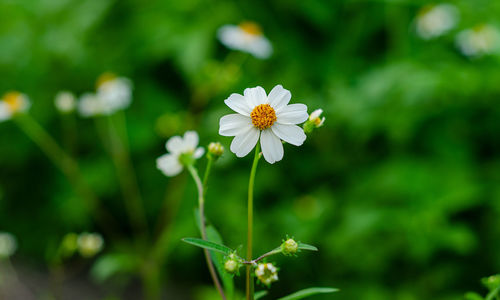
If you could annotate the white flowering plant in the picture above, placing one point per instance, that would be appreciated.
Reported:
(265, 123)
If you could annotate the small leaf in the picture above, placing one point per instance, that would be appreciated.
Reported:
(208, 245)
(309, 292)
(303, 246)
(260, 294)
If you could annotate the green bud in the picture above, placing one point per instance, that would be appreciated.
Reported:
(69, 244)
(289, 247)
(315, 121)
(215, 150)
(232, 264)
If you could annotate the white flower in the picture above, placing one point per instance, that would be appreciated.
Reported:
(89, 244)
(436, 20)
(8, 244)
(115, 93)
(269, 117)
(65, 102)
(266, 273)
(246, 37)
(89, 105)
(478, 41)
(13, 103)
(183, 151)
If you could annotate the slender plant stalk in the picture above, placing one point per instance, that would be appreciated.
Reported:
(493, 294)
(115, 141)
(249, 279)
(207, 173)
(66, 165)
(201, 203)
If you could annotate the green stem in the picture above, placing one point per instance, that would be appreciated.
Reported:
(493, 294)
(249, 279)
(201, 203)
(116, 141)
(65, 164)
(207, 173)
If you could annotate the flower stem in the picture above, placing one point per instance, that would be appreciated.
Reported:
(207, 173)
(66, 165)
(201, 203)
(249, 279)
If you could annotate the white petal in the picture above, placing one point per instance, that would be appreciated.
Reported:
(279, 97)
(5, 113)
(239, 104)
(244, 142)
(191, 140)
(260, 47)
(234, 124)
(175, 144)
(198, 152)
(272, 148)
(255, 96)
(292, 114)
(169, 164)
(292, 134)
(315, 114)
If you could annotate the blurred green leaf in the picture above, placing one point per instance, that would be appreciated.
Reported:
(309, 292)
(208, 245)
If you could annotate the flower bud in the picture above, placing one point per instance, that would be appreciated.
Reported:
(289, 247)
(232, 264)
(89, 244)
(315, 121)
(65, 102)
(69, 244)
(215, 150)
(266, 273)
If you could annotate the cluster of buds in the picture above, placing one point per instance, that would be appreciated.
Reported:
(314, 121)
(215, 150)
(233, 264)
(266, 273)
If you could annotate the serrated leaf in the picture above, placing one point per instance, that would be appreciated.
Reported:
(309, 292)
(303, 246)
(208, 245)
(260, 294)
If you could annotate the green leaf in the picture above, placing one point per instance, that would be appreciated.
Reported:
(218, 259)
(112, 264)
(208, 245)
(303, 246)
(260, 294)
(473, 296)
(309, 292)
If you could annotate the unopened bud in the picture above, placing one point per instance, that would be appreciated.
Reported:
(289, 247)
(266, 273)
(315, 121)
(89, 244)
(232, 264)
(215, 149)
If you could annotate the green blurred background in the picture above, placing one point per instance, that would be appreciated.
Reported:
(399, 190)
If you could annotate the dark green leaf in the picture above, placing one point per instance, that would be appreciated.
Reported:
(303, 246)
(260, 294)
(208, 245)
(309, 292)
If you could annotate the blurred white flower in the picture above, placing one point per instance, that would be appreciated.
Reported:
(478, 41)
(13, 103)
(268, 117)
(65, 102)
(114, 92)
(89, 244)
(246, 37)
(89, 105)
(266, 273)
(435, 20)
(8, 245)
(182, 152)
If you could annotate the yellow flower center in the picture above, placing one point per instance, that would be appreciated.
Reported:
(13, 100)
(105, 77)
(263, 116)
(251, 28)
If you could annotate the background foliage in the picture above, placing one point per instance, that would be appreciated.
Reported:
(400, 190)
